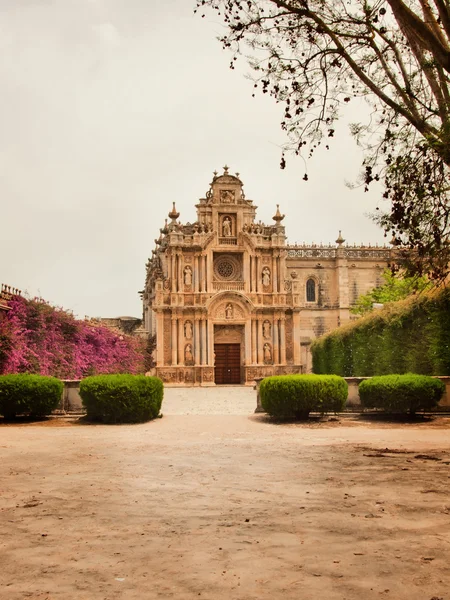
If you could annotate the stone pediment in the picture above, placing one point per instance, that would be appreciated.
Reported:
(228, 311)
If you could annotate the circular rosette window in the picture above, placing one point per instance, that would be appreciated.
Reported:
(227, 268)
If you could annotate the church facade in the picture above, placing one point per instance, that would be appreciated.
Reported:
(229, 301)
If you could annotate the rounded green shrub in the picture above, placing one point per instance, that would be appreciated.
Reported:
(401, 393)
(34, 395)
(122, 398)
(295, 396)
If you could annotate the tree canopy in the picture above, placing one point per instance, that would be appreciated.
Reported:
(393, 289)
(315, 56)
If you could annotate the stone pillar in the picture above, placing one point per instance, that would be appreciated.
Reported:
(197, 340)
(180, 273)
(283, 340)
(254, 350)
(203, 274)
(251, 273)
(276, 347)
(203, 343)
(210, 343)
(173, 273)
(260, 342)
(296, 338)
(160, 339)
(274, 275)
(173, 341)
(205, 261)
(248, 344)
(180, 341)
(247, 275)
(196, 275)
(343, 286)
(258, 274)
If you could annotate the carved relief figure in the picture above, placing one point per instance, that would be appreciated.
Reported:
(188, 330)
(188, 356)
(228, 311)
(226, 227)
(266, 329)
(187, 276)
(266, 276)
(227, 196)
(267, 354)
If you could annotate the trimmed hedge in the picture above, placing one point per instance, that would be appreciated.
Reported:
(401, 393)
(295, 396)
(122, 398)
(412, 335)
(23, 394)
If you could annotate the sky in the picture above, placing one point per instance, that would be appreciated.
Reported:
(110, 110)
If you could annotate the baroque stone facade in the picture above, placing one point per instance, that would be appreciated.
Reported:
(229, 301)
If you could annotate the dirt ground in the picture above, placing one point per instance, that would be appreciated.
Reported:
(225, 506)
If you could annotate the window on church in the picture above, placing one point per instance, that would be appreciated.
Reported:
(310, 290)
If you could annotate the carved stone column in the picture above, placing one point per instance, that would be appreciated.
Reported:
(274, 275)
(254, 332)
(205, 262)
(197, 340)
(160, 339)
(180, 341)
(173, 340)
(260, 342)
(258, 274)
(196, 275)
(173, 273)
(203, 352)
(296, 337)
(276, 347)
(283, 340)
(248, 344)
(203, 274)
(210, 343)
(180, 274)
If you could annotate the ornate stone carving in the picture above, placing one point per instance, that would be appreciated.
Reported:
(227, 197)
(187, 276)
(226, 227)
(227, 268)
(266, 277)
(267, 354)
(208, 374)
(289, 338)
(167, 340)
(228, 311)
(188, 356)
(267, 329)
(188, 330)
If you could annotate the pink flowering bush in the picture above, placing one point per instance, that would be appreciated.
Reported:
(38, 338)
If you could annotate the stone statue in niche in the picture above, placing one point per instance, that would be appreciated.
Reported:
(188, 356)
(266, 276)
(226, 227)
(187, 276)
(188, 330)
(267, 354)
(229, 311)
(266, 329)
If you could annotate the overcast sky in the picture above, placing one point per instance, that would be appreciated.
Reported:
(110, 110)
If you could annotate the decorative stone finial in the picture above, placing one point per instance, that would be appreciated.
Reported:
(340, 240)
(237, 175)
(165, 229)
(173, 213)
(225, 170)
(215, 174)
(278, 217)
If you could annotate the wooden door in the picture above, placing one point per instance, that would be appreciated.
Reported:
(227, 363)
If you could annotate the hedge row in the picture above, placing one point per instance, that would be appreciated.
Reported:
(295, 396)
(107, 398)
(33, 395)
(401, 393)
(122, 398)
(409, 336)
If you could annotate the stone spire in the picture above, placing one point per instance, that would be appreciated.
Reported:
(278, 217)
(173, 213)
(340, 240)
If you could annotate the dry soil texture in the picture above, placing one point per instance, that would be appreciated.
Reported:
(224, 506)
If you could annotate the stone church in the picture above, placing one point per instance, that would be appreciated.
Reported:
(229, 301)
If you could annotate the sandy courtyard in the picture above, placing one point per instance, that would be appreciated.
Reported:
(213, 502)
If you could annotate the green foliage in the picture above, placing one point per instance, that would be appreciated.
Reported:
(122, 398)
(395, 287)
(295, 396)
(412, 335)
(24, 394)
(401, 393)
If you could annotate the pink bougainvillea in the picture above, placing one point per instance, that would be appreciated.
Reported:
(38, 338)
